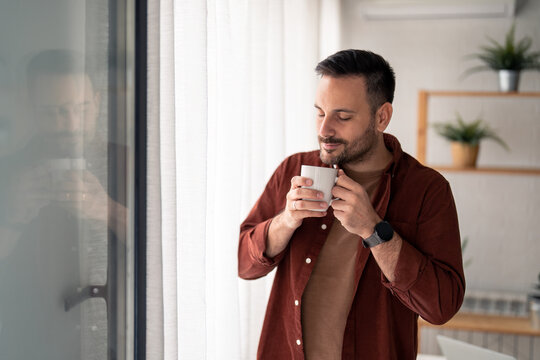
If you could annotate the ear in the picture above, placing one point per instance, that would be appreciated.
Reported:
(383, 116)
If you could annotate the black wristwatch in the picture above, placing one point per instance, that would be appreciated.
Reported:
(383, 233)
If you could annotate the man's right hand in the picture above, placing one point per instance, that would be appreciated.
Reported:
(300, 204)
(298, 208)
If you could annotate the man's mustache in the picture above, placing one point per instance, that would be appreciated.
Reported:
(331, 140)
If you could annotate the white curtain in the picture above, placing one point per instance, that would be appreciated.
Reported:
(231, 88)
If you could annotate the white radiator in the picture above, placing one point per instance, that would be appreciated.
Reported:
(522, 347)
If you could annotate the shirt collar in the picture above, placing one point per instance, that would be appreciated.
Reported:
(393, 145)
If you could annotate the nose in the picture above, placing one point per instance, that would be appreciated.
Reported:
(326, 126)
(69, 120)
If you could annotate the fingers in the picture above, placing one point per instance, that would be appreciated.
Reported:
(305, 199)
(304, 193)
(346, 194)
(298, 192)
(299, 181)
(300, 205)
(341, 205)
(345, 181)
(346, 188)
(302, 214)
(73, 197)
(303, 202)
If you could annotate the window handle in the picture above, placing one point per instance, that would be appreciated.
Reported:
(91, 291)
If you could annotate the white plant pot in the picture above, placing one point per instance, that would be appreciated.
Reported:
(508, 80)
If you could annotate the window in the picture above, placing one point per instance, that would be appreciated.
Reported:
(67, 165)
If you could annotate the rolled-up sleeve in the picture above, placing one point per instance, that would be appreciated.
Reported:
(252, 260)
(429, 275)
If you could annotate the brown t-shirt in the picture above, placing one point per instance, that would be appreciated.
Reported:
(330, 291)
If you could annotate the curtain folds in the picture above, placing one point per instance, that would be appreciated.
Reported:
(231, 88)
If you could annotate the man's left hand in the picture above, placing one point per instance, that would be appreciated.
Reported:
(353, 209)
(88, 197)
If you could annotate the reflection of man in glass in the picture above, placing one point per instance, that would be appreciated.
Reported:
(66, 162)
(59, 214)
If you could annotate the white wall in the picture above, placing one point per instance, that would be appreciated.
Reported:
(498, 213)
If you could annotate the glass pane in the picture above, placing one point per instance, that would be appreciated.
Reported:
(65, 180)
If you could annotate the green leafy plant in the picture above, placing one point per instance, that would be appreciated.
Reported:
(468, 133)
(510, 55)
(464, 244)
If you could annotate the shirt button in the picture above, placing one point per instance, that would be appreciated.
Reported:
(308, 261)
(298, 342)
(296, 302)
(323, 226)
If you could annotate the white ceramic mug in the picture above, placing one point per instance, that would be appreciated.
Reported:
(58, 169)
(324, 180)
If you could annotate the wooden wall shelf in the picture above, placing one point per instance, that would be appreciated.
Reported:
(487, 323)
(489, 170)
(479, 93)
(423, 98)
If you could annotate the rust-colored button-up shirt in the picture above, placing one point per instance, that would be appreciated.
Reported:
(382, 322)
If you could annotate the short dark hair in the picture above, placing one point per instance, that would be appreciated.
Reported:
(377, 72)
(57, 62)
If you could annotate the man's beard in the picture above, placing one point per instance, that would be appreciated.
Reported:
(63, 144)
(357, 150)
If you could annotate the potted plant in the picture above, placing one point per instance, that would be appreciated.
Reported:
(534, 299)
(508, 59)
(464, 244)
(465, 139)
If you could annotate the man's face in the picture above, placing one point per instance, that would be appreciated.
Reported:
(346, 128)
(66, 111)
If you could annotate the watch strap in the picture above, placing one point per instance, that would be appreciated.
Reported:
(383, 232)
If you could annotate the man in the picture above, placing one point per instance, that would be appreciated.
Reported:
(66, 162)
(352, 280)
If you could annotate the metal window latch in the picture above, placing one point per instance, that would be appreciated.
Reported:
(91, 291)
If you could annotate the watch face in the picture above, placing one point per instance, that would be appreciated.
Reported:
(384, 230)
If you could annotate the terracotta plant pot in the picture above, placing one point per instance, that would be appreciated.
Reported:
(464, 155)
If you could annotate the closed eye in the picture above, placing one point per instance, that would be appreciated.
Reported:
(344, 114)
